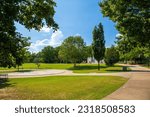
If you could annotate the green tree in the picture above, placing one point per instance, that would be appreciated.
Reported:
(124, 46)
(21, 52)
(30, 13)
(89, 51)
(57, 59)
(12, 52)
(147, 55)
(98, 44)
(27, 56)
(38, 59)
(111, 56)
(131, 18)
(137, 55)
(72, 50)
(130, 50)
(48, 54)
(32, 56)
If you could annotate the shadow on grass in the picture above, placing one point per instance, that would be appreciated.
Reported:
(118, 70)
(7, 71)
(86, 67)
(24, 71)
(4, 82)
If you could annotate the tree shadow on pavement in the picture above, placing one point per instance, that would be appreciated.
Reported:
(141, 71)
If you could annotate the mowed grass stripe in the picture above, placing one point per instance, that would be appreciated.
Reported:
(81, 68)
(61, 87)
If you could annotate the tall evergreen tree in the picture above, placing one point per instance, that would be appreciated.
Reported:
(98, 44)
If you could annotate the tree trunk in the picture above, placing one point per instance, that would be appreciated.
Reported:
(148, 63)
(98, 65)
(18, 67)
(74, 64)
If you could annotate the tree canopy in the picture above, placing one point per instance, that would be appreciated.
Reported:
(111, 56)
(48, 54)
(131, 50)
(132, 18)
(72, 50)
(30, 13)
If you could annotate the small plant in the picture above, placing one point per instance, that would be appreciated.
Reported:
(37, 62)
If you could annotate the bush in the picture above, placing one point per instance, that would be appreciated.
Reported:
(111, 56)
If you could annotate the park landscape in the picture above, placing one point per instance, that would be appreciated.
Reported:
(67, 71)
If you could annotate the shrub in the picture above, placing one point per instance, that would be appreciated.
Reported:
(111, 56)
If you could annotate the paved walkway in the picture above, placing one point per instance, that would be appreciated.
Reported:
(137, 88)
(36, 73)
(41, 73)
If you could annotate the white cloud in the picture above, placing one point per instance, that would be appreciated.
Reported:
(118, 35)
(77, 34)
(55, 40)
(46, 29)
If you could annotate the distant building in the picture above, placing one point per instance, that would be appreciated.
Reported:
(92, 60)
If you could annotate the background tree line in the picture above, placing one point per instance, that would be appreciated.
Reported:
(132, 19)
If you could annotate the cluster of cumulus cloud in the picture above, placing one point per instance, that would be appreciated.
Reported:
(54, 40)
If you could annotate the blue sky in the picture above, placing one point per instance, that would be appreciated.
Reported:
(74, 17)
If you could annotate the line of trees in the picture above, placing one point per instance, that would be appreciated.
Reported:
(132, 19)
(74, 50)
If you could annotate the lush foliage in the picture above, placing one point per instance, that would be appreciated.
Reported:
(98, 44)
(13, 50)
(48, 54)
(131, 18)
(132, 51)
(72, 50)
(30, 13)
(89, 51)
(111, 56)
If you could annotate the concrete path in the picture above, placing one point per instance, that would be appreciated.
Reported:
(41, 73)
(36, 73)
(137, 88)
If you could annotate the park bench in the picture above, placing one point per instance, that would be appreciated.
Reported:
(2, 76)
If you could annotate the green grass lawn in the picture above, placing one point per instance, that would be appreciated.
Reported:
(145, 65)
(81, 68)
(60, 87)
(92, 68)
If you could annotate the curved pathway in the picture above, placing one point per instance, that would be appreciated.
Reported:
(41, 73)
(137, 87)
(35, 73)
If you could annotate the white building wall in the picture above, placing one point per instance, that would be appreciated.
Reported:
(93, 60)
